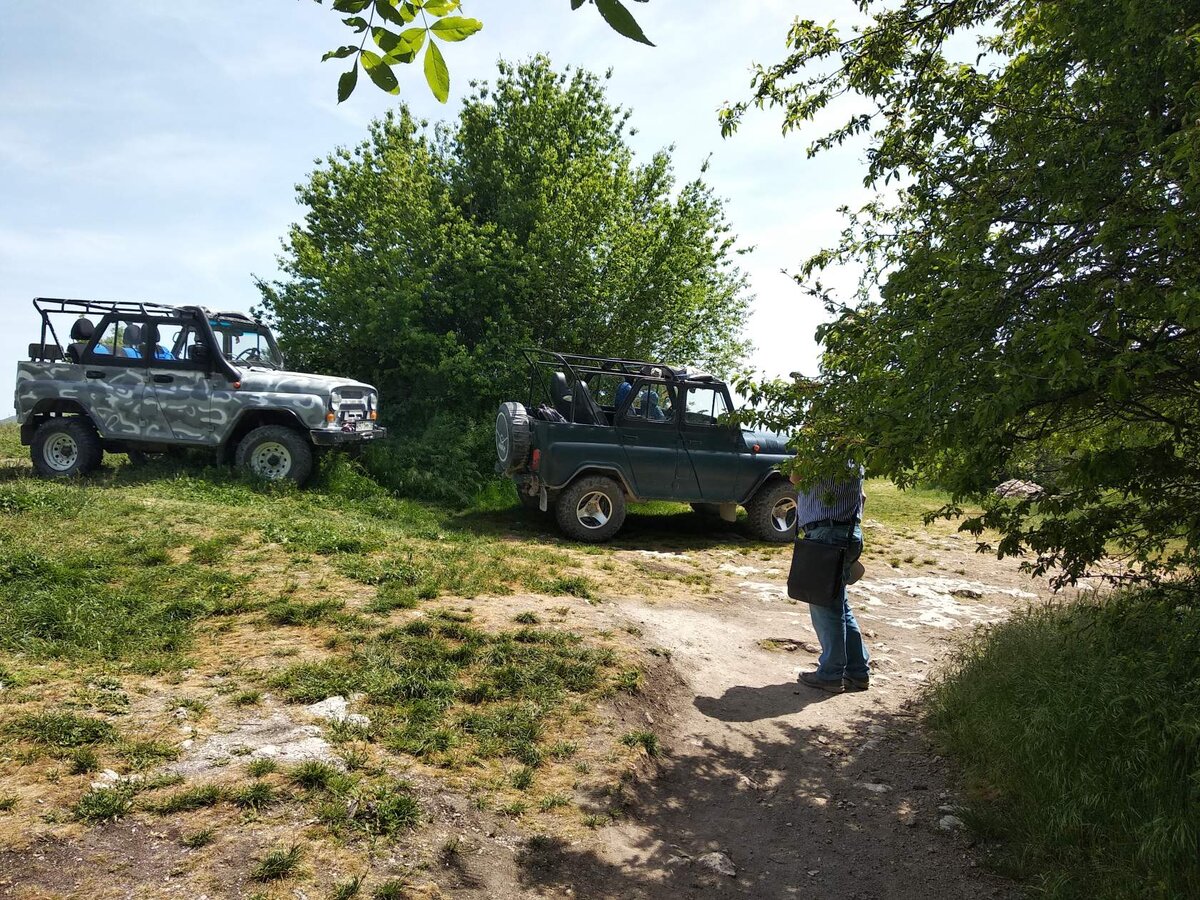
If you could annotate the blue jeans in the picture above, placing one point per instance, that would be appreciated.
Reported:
(843, 653)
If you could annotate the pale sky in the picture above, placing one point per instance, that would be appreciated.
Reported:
(149, 149)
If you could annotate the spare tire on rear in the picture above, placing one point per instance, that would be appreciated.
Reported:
(512, 436)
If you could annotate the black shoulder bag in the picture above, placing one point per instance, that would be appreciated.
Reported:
(816, 573)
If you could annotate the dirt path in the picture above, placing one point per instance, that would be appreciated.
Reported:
(805, 794)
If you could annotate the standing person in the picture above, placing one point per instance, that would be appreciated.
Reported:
(831, 513)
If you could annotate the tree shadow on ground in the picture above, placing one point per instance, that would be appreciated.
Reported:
(800, 812)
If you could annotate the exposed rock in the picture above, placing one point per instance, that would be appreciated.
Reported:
(275, 736)
(718, 862)
(1015, 488)
(875, 787)
(337, 709)
(966, 594)
(950, 823)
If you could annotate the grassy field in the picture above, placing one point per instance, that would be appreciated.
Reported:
(143, 607)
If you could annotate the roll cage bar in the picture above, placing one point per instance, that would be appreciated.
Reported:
(48, 306)
(578, 367)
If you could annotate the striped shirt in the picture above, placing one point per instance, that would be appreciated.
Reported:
(841, 501)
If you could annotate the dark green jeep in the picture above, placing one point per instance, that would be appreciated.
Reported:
(600, 432)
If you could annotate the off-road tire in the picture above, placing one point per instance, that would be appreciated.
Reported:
(593, 497)
(513, 436)
(65, 447)
(276, 453)
(764, 511)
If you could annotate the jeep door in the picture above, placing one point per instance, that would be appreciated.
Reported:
(115, 374)
(180, 378)
(649, 433)
(715, 449)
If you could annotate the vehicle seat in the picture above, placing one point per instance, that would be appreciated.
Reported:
(587, 411)
(560, 393)
(81, 332)
(131, 342)
(152, 338)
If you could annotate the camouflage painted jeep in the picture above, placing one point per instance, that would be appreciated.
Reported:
(147, 379)
(600, 432)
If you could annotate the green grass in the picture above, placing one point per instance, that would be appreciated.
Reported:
(197, 839)
(253, 796)
(260, 768)
(198, 797)
(104, 804)
(1077, 730)
(61, 730)
(445, 684)
(647, 740)
(278, 863)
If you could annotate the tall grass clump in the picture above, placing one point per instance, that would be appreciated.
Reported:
(1077, 730)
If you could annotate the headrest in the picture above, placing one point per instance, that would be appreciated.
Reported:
(151, 331)
(82, 330)
(133, 335)
(559, 388)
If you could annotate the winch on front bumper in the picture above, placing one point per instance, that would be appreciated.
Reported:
(350, 433)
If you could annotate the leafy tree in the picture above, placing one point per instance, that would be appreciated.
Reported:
(1032, 301)
(426, 260)
(399, 29)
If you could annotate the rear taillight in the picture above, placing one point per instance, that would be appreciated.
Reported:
(537, 460)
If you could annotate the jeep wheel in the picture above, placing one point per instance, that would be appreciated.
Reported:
(772, 512)
(512, 436)
(275, 453)
(592, 509)
(62, 448)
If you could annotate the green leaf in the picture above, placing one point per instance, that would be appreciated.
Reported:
(346, 83)
(351, 6)
(381, 73)
(407, 45)
(575, 4)
(358, 23)
(436, 73)
(340, 53)
(440, 7)
(622, 21)
(408, 12)
(455, 28)
(389, 11)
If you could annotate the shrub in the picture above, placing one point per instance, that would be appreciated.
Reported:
(1078, 732)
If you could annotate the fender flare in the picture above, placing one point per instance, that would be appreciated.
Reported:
(767, 477)
(595, 468)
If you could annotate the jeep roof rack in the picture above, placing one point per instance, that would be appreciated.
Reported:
(48, 306)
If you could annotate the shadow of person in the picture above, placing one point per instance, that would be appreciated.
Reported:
(749, 704)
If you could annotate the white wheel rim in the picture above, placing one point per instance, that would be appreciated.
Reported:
(502, 438)
(61, 452)
(271, 459)
(783, 514)
(594, 510)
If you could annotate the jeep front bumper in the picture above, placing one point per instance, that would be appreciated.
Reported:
(339, 437)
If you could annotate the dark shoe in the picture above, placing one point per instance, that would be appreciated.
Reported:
(821, 684)
(858, 684)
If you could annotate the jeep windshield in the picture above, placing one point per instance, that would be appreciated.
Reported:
(246, 342)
